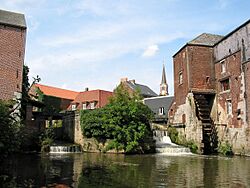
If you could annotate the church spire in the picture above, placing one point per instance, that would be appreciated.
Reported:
(163, 79)
(163, 85)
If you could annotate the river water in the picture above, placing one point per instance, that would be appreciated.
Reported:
(111, 170)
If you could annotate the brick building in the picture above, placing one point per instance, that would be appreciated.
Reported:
(57, 99)
(90, 99)
(12, 50)
(211, 89)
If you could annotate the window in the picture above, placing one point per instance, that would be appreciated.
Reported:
(92, 105)
(180, 78)
(161, 111)
(229, 107)
(225, 85)
(223, 67)
(84, 106)
(73, 107)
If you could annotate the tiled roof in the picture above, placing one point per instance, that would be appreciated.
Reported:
(155, 103)
(12, 18)
(206, 39)
(57, 92)
(144, 90)
(83, 96)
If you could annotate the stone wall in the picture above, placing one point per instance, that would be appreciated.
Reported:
(68, 124)
(189, 127)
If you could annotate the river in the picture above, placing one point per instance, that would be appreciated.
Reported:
(111, 170)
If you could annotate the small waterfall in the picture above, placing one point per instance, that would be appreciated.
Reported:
(165, 146)
(65, 149)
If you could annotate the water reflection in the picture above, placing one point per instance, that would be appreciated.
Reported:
(106, 170)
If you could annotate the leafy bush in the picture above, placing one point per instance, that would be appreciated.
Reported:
(173, 134)
(178, 139)
(225, 149)
(125, 120)
(192, 146)
(46, 139)
(10, 130)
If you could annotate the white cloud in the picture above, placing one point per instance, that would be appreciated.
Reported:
(150, 51)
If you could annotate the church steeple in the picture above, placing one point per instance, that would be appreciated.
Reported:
(163, 85)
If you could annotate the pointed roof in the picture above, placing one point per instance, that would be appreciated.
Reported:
(144, 90)
(163, 79)
(206, 39)
(12, 19)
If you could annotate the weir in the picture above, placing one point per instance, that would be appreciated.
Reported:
(65, 149)
(164, 144)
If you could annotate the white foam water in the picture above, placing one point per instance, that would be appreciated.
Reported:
(65, 149)
(164, 144)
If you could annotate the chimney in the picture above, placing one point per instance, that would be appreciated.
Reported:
(86, 89)
(132, 81)
(124, 80)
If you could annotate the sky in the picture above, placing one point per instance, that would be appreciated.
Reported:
(74, 44)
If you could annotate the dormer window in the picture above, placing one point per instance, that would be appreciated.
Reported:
(84, 106)
(161, 111)
(92, 105)
(73, 107)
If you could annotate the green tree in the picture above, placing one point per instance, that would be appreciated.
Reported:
(10, 130)
(125, 120)
(25, 90)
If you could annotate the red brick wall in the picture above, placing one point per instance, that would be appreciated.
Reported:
(12, 42)
(201, 67)
(247, 77)
(233, 72)
(180, 65)
(197, 67)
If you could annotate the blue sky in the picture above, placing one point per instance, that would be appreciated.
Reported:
(76, 44)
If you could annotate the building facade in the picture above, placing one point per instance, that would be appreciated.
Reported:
(89, 100)
(12, 51)
(211, 89)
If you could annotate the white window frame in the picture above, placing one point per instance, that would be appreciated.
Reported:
(229, 107)
(73, 107)
(92, 105)
(223, 66)
(180, 78)
(84, 106)
(161, 111)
